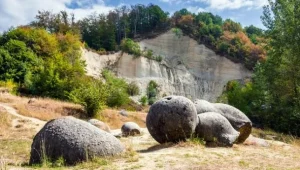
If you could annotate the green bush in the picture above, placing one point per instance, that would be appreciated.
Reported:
(131, 47)
(144, 100)
(159, 58)
(149, 54)
(151, 100)
(177, 32)
(117, 88)
(91, 95)
(152, 91)
(133, 89)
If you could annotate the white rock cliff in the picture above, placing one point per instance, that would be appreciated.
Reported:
(188, 69)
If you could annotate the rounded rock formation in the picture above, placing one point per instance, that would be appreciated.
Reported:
(213, 127)
(203, 106)
(130, 129)
(99, 124)
(74, 140)
(237, 119)
(172, 119)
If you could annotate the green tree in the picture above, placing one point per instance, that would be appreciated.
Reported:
(16, 61)
(277, 79)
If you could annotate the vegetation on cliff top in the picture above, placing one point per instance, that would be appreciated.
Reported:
(116, 30)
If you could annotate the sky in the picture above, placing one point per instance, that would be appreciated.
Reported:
(22, 12)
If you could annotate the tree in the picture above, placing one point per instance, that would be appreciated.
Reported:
(16, 61)
(232, 26)
(61, 22)
(278, 78)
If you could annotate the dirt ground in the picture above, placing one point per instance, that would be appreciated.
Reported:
(143, 152)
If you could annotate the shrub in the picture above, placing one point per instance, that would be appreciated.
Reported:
(117, 89)
(10, 85)
(151, 100)
(131, 47)
(149, 54)
(177, 32)
(159, 58)
(152, 91)
(92, 96)
(144, 100)
(133, 89)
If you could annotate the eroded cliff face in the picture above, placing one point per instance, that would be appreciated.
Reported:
(188, 69)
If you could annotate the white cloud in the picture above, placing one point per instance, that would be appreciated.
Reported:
(233, 4)
(172, 1)
(196, 9)
(21, 12)
(223, 4)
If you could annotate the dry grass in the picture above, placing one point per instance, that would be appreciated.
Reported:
(43, 108)
(5, 122)
(272, 135)
(14, 143)
(115, 120)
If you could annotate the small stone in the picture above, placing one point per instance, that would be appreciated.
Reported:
(130, 129)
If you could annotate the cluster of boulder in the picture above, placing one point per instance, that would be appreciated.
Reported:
(176, 118)
(171, 119)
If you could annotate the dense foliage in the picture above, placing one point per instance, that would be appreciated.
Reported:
(273, 99)
(48, 64)
(226, 37)
(121, 26)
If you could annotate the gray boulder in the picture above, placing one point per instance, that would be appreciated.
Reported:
(237, 119)
(99, 124)
(213, 127)
(130, 129)
(74, 140)
(123, 113)
(172, 119)
(203, 106)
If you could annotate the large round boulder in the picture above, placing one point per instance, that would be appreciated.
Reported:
(130, 129)
(203, 106)
(213, 127)
(237, 119)
(172, 119)
(74, 140)
(99, 124)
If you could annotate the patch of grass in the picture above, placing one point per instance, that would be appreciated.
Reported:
(96, 163)
(17, 151)
(272, 135)
(192, 142)
(130, 154)
(243, 164)
(5, 120)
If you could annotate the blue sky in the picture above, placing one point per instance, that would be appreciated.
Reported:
(21, 12)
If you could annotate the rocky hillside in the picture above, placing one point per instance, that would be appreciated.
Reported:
(188, 69)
